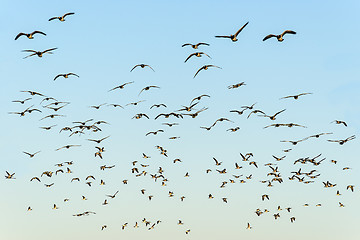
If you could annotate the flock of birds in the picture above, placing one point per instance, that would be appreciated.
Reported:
(54, 107)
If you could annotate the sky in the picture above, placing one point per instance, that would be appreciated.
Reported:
(103, 41)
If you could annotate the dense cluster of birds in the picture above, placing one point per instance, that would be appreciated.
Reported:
(50, 108)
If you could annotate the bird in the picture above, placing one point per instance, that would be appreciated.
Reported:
(158, 105)
(39, 53)
(22, 101)
(342, 141)
(273, 117)
(351, 187)
(155, 132)
(295, 96)
(32, 93)
(29, 35)
(195, 46)
(199, 98)
(65, 75)
(340, 122)
(9, 176)
(142, 66)
(205, 67)
(98, 141)
(236, 85)
(265, 196)
(217, 163)
(34, 178)
(147, 88)
(170, 124)
(31, 154)
(121, 86)
(233, 129)
(97, 107)
(279, 37)
(248, 226)
(196, 54)
(318, 135)
(234, 37)
(67, 147)
(62, 18)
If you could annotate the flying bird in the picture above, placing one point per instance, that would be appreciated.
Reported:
(31, 154)
(121, 86)
(340, 122)
(205, 67)
(62, 18)
(295, 96)
(234, 37)
(29, 35)
(197, 54)
(279, 37)
(147, 88)
(65, 75)
(38, 53)
(195, 46)
(142, 66)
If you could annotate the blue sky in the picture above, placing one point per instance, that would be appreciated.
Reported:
(103, 41)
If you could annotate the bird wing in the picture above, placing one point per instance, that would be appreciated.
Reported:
(53, 18)
(19, 35)
(223, 36)
(60, 75)
(34, 32)
(48, 50)
(199, 71)
(201, 43)
(288, 31)
(287, 97)
(186, 44)
(237, 33)
(74, 74)
(279, 112)
(269, 36)
(186, 58)
(67, 14)
(134, 67)
(150, 67)
(213, 66)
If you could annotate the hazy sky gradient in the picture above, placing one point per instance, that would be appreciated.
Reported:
(103, 41)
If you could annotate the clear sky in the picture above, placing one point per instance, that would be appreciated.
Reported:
(103, 41)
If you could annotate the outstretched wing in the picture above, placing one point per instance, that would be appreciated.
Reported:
(134, 67)
(237, 33)
(150, 67)
(53, 18)
(269, 36)
(288, 31)
(19, 35)
(60, 75)
(199, 71)
(34, 32)
(201, 43)
(223, 36)
(189, 57)
(74, 74)
(48, 50)
(67, 14)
